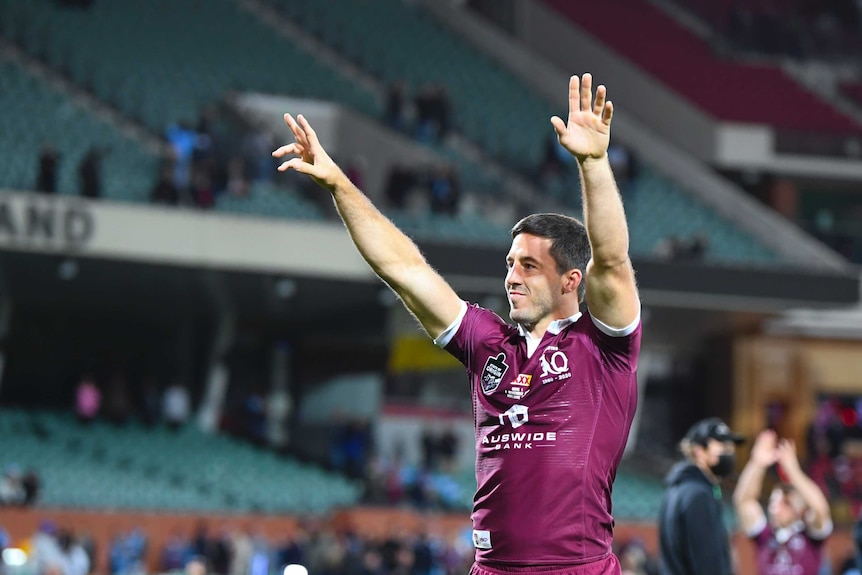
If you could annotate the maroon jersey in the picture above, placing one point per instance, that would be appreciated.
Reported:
(551, 427)
(788, 551)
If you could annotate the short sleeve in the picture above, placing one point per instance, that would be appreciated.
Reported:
(619, 348)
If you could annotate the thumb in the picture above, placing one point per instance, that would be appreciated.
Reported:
(559, 126)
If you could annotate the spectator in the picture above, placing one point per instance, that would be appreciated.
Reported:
(278, 407)
(237, 182)
(400, 181)
(691, 530)
(176, 405)
(634, 559)
(203, 191)
(355, 170)
(117, 403)
(448, 449)
(90, 173)
(174, 553)
(197, 565)
(150, 401)
(11, 486)
(46, 180)
(88, 399)
(182, 139)
(395, 114)
(74, 558)
(46, 553)
(445, 191)
(31, 483)
(165, 191)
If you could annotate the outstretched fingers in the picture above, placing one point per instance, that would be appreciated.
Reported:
(599, 103)
(298, 133)
(586, 92)
(288, 149)
(608, 113)
(310, 134)
(295, 164)
(574, 89)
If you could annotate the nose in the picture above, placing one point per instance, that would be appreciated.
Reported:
(512, 277)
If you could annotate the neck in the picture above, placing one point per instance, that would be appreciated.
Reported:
(708, 472)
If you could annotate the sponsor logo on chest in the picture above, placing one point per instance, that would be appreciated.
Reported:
(520, 387)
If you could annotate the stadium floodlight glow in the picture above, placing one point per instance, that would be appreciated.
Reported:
(295, 569)
(14, 557)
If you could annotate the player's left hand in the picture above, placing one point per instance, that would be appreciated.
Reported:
(588, 131)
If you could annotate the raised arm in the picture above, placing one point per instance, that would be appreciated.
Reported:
(390, 253)
(612, 294)
(818, 519)
(746, 496)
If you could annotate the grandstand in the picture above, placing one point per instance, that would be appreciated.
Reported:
(244, 285)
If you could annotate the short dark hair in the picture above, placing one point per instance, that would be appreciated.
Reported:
(570, 246)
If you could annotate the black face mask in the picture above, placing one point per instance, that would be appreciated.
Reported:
(725, 466)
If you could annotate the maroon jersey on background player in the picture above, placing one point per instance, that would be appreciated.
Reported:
(789, 536)
(551, 426)
(792, 550)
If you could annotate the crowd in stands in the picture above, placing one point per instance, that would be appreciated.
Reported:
(89, 171)
(171, 406)
(204, 162)
(323, 549)
(797, 28)
(438, 185)
(835, 456)
(426, 116)
(431, 484)
(685, 250)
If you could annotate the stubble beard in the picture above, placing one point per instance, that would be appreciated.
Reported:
(528, 316)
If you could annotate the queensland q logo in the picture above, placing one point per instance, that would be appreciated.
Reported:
(557, 364)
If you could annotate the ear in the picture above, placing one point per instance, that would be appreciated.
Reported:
(571, 280)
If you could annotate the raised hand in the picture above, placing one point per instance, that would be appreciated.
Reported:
(786, 455)
(588, 130)
(312, 158)
(764, 452)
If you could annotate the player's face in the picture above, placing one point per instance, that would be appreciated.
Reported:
(783, 510)
(533, 283)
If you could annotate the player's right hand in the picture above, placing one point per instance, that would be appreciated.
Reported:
(311, 158)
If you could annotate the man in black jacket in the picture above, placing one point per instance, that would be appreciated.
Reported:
(692, 536)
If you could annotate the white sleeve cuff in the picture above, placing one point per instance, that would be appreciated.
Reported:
(617, 332)
(822, 533)
(757, 528)
(444, 338)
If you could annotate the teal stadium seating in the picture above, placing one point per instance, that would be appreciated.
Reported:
(35, 114)
(494, 109)
(102, 466)
(161, 62)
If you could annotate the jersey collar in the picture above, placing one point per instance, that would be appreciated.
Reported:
(555, 327)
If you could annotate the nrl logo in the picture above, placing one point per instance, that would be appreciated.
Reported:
(492, 374)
